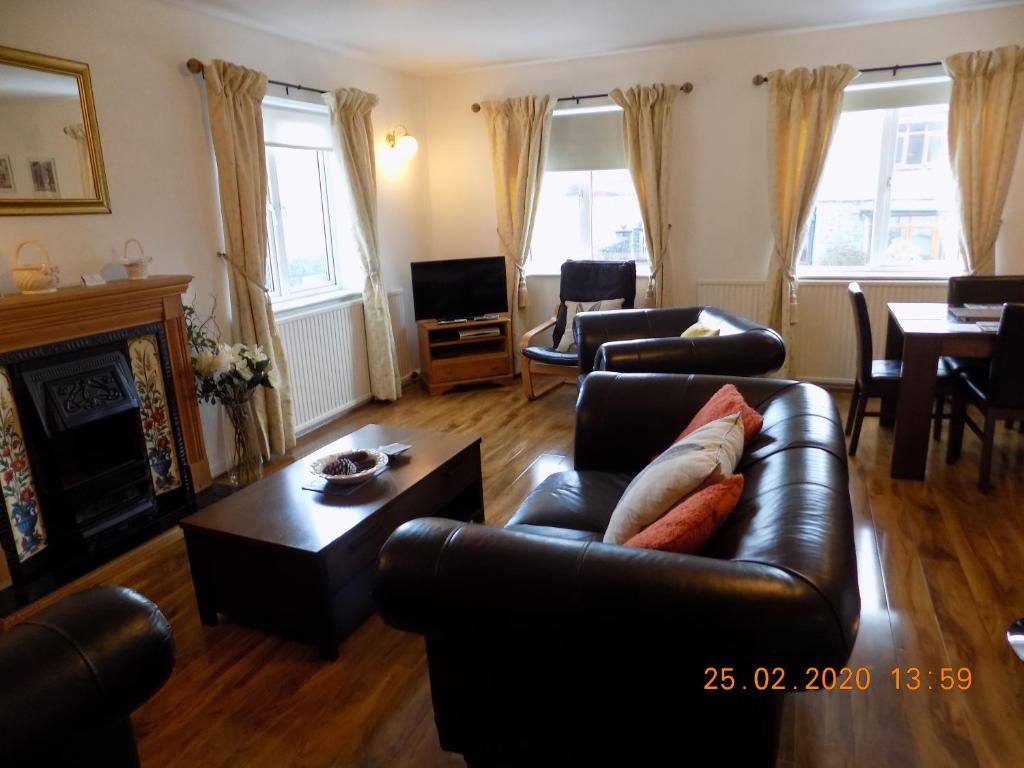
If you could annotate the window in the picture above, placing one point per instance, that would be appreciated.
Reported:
(310, 248)
(886, 201)
(588, 207)
(587, 215)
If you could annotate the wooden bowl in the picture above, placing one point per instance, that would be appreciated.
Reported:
(376, 460)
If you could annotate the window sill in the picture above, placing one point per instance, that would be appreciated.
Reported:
(285, 308)
(874, 277)
(547, 273)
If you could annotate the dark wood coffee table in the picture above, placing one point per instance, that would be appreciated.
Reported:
(301, 563)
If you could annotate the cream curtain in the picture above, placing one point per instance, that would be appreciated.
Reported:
(352, 135)
(986, 111)
(520, 129)
(803, 111)
(234, 95)
(647, 133)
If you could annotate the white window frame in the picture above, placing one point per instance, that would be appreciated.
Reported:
(282, 298)
(877, 267)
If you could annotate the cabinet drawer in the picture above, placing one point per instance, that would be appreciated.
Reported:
(478, 368)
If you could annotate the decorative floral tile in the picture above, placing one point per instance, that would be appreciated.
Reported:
(19, 489)
(156, 422)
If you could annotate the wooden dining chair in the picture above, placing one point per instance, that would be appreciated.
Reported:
(880, 378)
(998, 393)
(982, 289)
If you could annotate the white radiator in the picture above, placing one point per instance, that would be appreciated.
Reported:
(325, 346)
(823, 342)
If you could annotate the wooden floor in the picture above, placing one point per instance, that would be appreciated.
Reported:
(941, 576)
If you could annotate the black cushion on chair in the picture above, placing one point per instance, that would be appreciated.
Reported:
(551, 356)
(594, 281)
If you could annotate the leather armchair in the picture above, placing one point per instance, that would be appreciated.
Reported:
(648, 341)
(546, 646)
(73, 673)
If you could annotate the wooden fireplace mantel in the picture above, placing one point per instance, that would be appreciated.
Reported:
(28, 321)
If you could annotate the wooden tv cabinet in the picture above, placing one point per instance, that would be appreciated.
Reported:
(447, 360)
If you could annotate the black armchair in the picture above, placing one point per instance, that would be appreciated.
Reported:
(648, 341)
(582, 282)
(73, 673)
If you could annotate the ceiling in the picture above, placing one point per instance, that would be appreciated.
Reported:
(427, 36)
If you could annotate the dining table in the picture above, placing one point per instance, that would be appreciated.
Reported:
(920, 334)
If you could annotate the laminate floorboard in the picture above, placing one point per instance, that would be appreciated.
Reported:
(941, 570)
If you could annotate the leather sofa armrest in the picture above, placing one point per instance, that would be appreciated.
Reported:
(91, 658)
(750, 353)
(477, 584)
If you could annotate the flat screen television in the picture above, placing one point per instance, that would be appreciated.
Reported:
(459, 288)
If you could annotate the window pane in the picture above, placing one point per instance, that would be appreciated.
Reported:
(617, 227)
(302, 232)
(840, 230)
(922, 219)
(562, 227)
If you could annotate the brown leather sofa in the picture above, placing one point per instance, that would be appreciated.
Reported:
(648, 341)
(73, 673)
(548, 647)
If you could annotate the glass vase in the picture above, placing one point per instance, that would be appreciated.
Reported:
(246, 461)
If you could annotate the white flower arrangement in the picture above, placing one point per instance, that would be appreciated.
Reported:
(226, 373)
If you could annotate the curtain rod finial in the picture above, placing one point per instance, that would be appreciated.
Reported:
(760, 79)
(195, 66)
(687, 87)
(475, 107)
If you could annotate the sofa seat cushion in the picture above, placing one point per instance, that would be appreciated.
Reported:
(551, 356)
(581, 501)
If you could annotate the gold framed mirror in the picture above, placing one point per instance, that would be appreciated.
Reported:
(50, 156)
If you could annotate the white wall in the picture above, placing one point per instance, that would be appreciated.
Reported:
(720, 225)
(155, 142)
(33, 129)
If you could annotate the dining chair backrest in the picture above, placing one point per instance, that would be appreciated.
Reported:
(862, 326)
(985, 289)
(1006, 376)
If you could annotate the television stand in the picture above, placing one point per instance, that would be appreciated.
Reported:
(465, 352)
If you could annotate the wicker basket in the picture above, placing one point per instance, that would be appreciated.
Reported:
(35, 278)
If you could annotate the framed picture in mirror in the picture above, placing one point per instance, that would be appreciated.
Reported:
(51, 160)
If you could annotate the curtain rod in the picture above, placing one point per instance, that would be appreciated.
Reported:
(686, 87)
(195, 66)
(894, 68)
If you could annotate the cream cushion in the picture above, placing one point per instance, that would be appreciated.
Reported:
(708, 454)
(699, 329)
(572, 308)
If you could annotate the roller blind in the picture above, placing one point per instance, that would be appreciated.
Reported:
(296, 123)
(586, 140)
(897, 93)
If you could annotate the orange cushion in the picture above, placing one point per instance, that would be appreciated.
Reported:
(726, 402)
(691, 523)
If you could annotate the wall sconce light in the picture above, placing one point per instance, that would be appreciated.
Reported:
(401, 142)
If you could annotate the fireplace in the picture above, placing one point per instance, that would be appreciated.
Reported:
(94, 440)
(86, 438)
